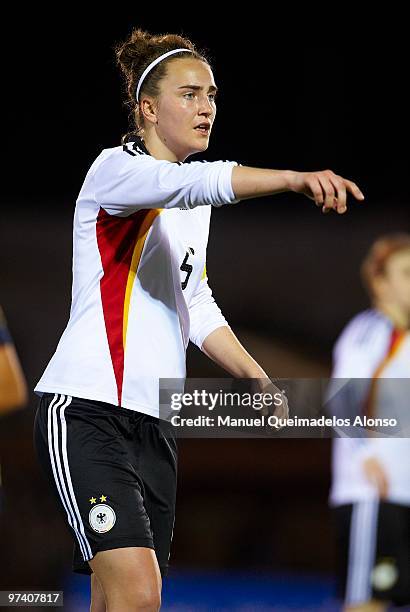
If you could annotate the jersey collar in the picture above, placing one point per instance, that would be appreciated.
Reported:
(141, 145)
(139, 141)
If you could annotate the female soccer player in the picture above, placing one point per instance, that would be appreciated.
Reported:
(140, 293)
(371, 475)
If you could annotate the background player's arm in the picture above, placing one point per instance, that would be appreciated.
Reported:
(13, 389)
(347, 394)
(376, 474)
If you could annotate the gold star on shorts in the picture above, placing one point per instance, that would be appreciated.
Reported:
(103, 498)
(93, 500)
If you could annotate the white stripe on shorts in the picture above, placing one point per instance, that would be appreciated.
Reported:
(362, 550)
(57, 457)
(69, 481)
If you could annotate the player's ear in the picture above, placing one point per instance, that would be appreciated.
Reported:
(149, 109)
(380, 286)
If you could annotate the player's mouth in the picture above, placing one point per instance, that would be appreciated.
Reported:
(203, 128)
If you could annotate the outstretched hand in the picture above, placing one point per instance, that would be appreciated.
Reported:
(326, 188)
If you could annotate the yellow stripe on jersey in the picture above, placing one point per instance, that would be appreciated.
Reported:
(204, 274)
(136, 256)
(395, 343)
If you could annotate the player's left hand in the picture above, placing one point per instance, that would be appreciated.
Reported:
(276, 401)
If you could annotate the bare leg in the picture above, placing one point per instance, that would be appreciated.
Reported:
(97, 595)
(130, 579)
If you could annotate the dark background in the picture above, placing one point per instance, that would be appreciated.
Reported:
(292, 95)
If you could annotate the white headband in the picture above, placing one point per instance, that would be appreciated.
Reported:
(153, 64)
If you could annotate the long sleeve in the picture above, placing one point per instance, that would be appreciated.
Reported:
(123, 183)
(204, 313)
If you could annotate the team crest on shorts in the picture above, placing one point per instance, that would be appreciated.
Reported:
(385, 574)
(102, 518)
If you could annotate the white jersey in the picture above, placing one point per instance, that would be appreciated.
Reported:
(370, 348)
(140, 289)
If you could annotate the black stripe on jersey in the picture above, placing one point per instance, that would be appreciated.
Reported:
(127, 150)
(135, 146)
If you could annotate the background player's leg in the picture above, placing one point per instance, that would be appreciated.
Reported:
(97, 596)
(130, 579)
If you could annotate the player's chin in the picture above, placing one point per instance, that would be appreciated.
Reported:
(200, 149)
(197, 147)
(202, 142)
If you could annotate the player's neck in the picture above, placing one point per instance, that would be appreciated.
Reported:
(157, 148)
(399, 317)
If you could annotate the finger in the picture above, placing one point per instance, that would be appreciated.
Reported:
(282, 411)
(354, 190)
(328, 192)
(316, 190)
(328, 210)
(265, 409)
(340, 190)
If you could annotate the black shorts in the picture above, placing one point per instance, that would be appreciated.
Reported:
(374, 552)
(113, 472)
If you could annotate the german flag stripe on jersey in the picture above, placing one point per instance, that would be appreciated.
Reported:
(120, 243)
(396, 340)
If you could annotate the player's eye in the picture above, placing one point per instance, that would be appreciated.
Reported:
(190, 93)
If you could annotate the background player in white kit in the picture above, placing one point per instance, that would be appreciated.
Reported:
(140, 292)
(371, 475)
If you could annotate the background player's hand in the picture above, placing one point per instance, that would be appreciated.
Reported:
(376, 474)
(326, 188)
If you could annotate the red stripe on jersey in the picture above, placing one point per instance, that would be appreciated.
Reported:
(116, 238)
(395, 342)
